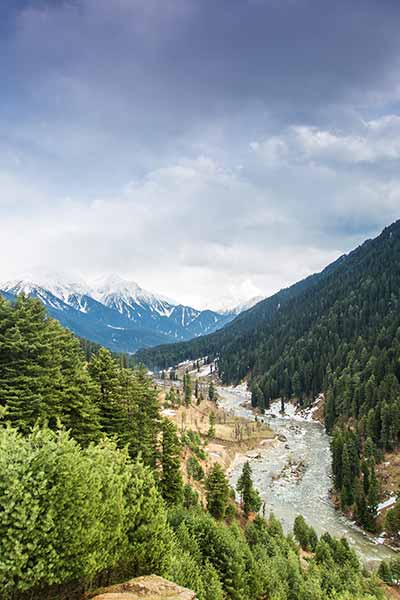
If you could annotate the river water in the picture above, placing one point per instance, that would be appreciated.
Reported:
(307, 449)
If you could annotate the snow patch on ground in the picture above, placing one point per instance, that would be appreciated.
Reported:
(293, 412)
(168, 412)
(389, 502)
(205, 370)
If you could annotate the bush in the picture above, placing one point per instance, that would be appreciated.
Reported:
(194, 469)
(192, 440)
(69, 514)
(304, 534)
(190, 497)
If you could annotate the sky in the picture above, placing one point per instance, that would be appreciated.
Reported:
(211, 150)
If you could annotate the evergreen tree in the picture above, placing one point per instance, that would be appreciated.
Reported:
(257, 396)
(251, 501)
(30, 375)
(212, 396)
(171, 484)
(347, 484)
(145, 423)
(360, 502)
(187, 389)
(104, 372)
(78, 410)
(373, 496)
(212, 419)
(217, 492)
(43, 376)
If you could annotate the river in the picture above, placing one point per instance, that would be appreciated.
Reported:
(307, 445)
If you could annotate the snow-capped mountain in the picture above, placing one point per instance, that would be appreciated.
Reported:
(129, 299)
(235, 309)
(116, 313)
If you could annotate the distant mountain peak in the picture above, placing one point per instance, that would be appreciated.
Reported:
(114, 311)
(113, 287)
(235, 308)
(61, 286)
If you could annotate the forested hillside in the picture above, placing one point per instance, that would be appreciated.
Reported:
(239, 330)
(336, 332)
(91, 488)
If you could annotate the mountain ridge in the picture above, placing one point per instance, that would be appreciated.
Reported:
(117, 313)
(248, 324)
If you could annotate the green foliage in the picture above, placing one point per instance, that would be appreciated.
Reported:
(194, 469)
(192, 440)
(392, 521)
(251, 500)
(336, 332)
(187, 389)
(42, 373)
(190, 497)
(217, 492)
(68, 513)
(212, 394)
(389, 571)
(171, 483)
(305, 534)
(128, 406)
(80, 504)
(212, 419)
(104, 372)
(354, 475)
(172, 398)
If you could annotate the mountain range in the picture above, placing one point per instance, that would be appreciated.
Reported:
(119, 314)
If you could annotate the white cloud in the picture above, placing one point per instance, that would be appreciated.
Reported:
(198, 231)
(375, 141)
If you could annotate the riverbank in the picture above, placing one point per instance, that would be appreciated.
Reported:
(211, 434)
(306, 493)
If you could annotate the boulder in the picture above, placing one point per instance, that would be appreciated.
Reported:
(144, 588)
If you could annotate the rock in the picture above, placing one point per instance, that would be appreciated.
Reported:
(256, 456)
(282, 438)
(144, 588)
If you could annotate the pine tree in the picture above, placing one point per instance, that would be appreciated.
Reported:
(251, 500)
(171, 483)
(211, 392)
(257, 396)
(187, 387)
(104, 372)
(77, 391)
(30, 375)
(373, 496)
(217, 492)
(360, 504)
(347, 483)
(211, 429)
(145, 423)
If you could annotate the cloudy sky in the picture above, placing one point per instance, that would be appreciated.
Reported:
(205, 148)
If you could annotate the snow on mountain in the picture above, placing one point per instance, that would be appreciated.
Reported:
(115, 312)
(33, 289)
(127, 297)
(236, 309)
(36, 284)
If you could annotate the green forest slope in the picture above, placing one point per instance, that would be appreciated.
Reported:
(91, 490)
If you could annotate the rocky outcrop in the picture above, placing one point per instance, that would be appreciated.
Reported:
(144, 588)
